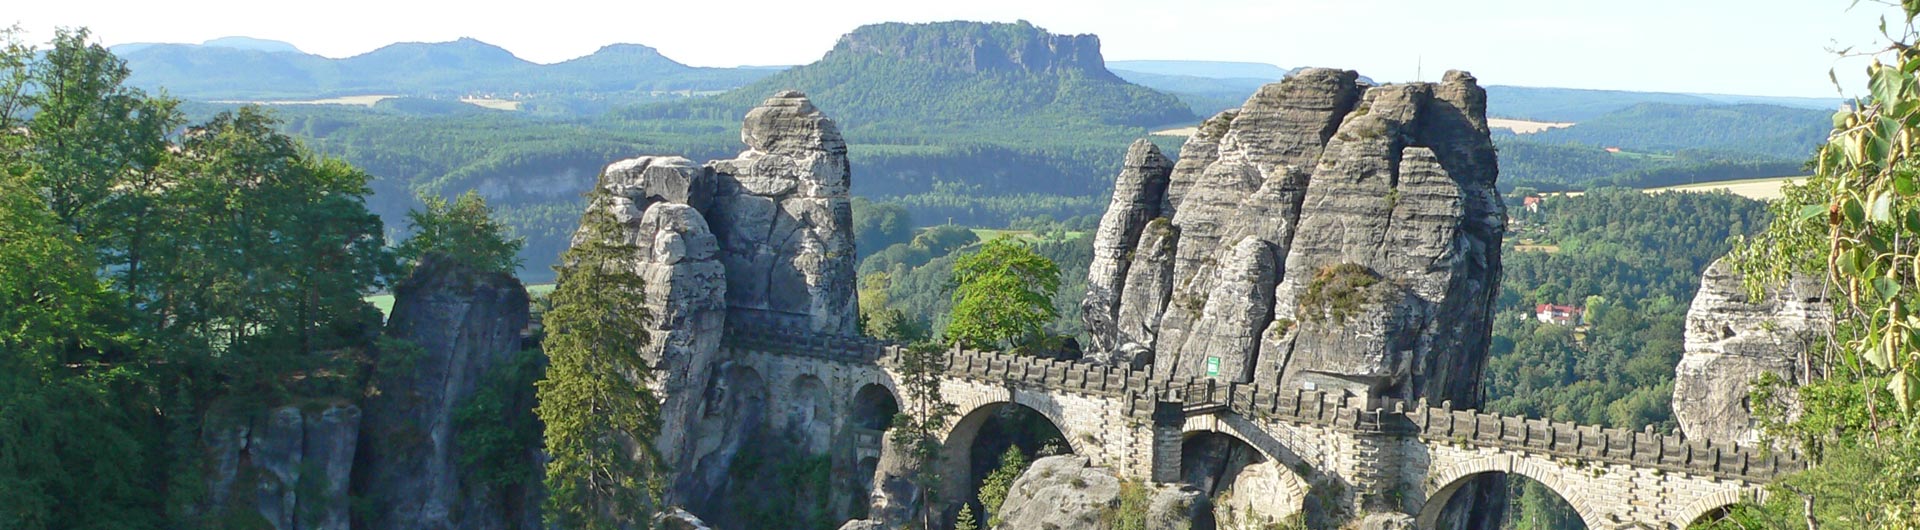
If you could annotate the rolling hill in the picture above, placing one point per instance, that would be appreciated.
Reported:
(253, 69)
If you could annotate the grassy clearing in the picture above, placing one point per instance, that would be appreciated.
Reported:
(987, 234)
(384, 301)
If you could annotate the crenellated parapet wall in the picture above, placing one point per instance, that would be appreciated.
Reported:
(1640, 449)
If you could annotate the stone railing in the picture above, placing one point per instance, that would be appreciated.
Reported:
(1644, 449)
(1200, 396)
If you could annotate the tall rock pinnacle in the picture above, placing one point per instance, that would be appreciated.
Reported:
(1327, 234)
(1137, 200)
(784, 220)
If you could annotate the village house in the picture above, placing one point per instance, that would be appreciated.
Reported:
(1564, 315)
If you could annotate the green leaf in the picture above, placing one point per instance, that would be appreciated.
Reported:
(1856, 214)
(1876, 354)
(1851, 262)
(1812, 211)
(1882, 208)
(1903, 183)
(1905, 387)
(1886, 287)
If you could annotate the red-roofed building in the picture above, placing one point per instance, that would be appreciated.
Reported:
(1532, 203)
(1564, 315)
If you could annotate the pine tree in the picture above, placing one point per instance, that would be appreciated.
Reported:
(965, 520)
(600, 415)
(922, 419)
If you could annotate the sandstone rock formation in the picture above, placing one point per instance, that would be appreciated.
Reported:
(1392, 185)
(784, 220)
(895, 498)
(1137, 198)
(465, 324)
(653, 201)
(1067, 493)
(765, 238)
(287, 467)
(1732, 340)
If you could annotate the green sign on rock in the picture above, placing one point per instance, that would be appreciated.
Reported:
(1213, 366)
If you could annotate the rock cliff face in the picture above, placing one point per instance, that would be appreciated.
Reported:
(1137, 199)
(763, 238)
(1327, 233)
(978, 47)
(465, 324)
(654, 201)
(1733, 340)
(288, 467)
(783, 218)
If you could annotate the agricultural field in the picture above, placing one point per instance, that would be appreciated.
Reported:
(1764, 189)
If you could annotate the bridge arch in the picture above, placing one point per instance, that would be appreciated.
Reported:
(1241, 493)
(974, 412)
(1443, 484)
(809, 414)
(872, 406)
(1717, 501)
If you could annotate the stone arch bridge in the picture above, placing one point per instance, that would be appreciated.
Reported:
(1372, 456)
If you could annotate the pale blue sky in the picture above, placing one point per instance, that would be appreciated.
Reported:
(1765, 47)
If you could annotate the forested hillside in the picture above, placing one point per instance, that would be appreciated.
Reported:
(1757, 130)
(1632, 261)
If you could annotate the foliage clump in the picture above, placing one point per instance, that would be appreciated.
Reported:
(993, 490)
(464, 231)
(1002, 295)
(1337, 292)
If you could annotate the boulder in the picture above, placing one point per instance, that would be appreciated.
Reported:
(679, 519)
(1067, 493)
(465, 324)
(1733, 340)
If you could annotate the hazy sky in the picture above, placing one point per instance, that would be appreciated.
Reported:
(1767, 47)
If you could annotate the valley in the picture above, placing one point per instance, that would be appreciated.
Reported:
(947, 276)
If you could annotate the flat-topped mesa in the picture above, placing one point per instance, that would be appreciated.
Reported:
(978, 46)
(1375, 207)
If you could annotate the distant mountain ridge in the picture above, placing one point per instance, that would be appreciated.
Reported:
(1207, 69)
(245, 68)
